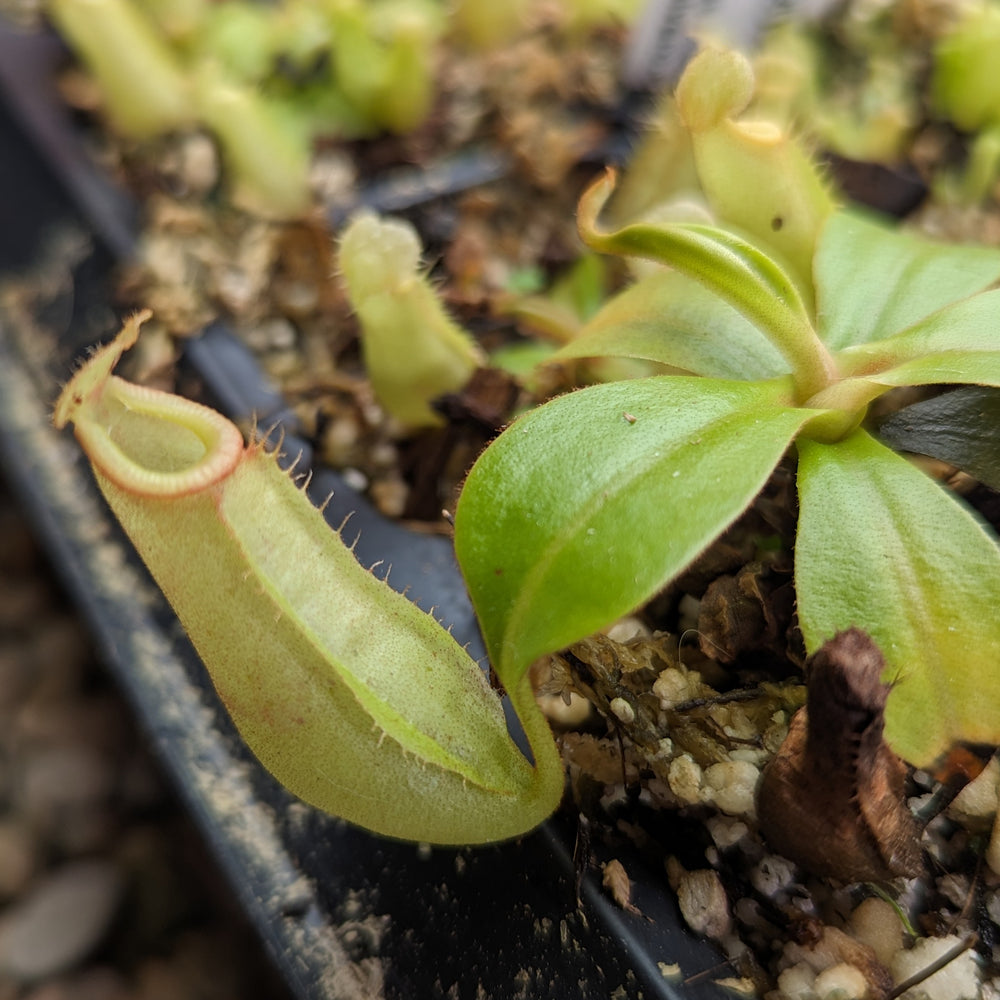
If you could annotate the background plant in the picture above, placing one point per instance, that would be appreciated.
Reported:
(264, 79)
(267, 79)
(909, 86)
(413, 351)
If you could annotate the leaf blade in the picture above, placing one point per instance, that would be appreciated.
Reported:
(674, 320)
(918, 572)
(946, 368)
(611, 499)
(872, 281)
(961, 340)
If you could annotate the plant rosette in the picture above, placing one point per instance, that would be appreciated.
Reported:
(585, 507)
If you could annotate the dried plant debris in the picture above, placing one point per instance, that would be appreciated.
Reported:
(832, 799)
(748, 612)
(616, 882)
(789, 832)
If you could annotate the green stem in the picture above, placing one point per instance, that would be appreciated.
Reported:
(844, 403)
(847, 395)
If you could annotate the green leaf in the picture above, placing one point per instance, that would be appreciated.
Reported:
(964, 367)
(582, 288)
(960, 427)
(589, 504)
(960, 340)
(881, 546)
(872, 281)
(521, 357)
(670, 318)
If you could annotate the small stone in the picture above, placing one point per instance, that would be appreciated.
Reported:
(199, 163)
(273, 334)
(385, 455)
(389, 495)
(975, 805)
(340, 441)
(333, 176)
(18, 857)
(704, 904)
(61, 920)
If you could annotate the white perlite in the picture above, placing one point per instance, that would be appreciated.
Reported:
(684, 778)
(622, 710)
(674, 686)
(876, 923)
(796, 982)
(841, 982)
(731, 786)
(958, 980)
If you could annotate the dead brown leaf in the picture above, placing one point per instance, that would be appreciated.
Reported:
(832, 799)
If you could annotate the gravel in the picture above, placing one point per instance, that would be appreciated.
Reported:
(106, 891)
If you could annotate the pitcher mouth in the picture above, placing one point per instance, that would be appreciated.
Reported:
(184, 447)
